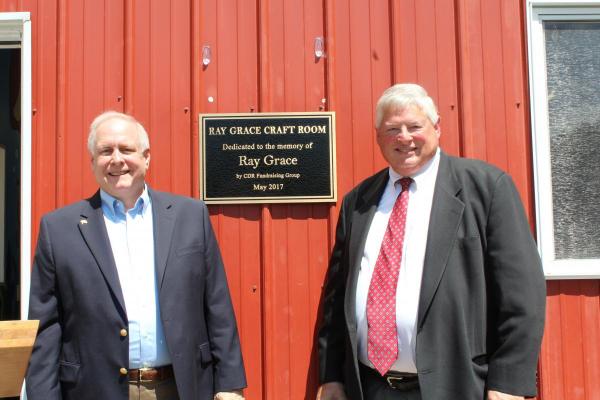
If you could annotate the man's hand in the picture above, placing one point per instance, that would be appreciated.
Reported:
(493, 395)
(331, 391)
(233, 395)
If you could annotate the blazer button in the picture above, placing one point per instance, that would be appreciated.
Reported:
(123, 332)
(123, 371)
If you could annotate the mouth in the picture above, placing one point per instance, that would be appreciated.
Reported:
(405, 150)
(118, 173)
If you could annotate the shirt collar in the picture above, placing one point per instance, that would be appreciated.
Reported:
(422, 175)
(113, 206)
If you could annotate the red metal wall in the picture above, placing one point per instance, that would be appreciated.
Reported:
(144, 57)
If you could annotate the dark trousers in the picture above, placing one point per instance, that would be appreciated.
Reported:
(375, 387)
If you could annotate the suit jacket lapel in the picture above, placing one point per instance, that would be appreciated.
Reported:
(446, 213)
(362, 215)
(163, 216)
(93, 229)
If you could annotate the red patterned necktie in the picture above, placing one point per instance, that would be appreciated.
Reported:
(382, 341)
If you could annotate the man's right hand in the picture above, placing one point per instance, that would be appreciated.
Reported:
(331, 391)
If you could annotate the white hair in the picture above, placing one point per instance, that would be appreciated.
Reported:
(403, 95)
(143, 141)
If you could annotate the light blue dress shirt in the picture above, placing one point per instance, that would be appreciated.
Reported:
(132, 242)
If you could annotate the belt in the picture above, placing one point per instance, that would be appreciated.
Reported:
(401, 381)
(150, 374)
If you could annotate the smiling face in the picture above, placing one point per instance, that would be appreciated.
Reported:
(407, 139)
(118, 162)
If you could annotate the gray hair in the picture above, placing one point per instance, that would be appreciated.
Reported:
(143, 140)
(403, 95)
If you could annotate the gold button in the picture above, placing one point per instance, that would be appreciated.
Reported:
(123, 332)
(123, 371)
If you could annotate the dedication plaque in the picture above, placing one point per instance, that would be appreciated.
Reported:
(267, 158)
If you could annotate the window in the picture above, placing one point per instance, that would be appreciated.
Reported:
(564, 71)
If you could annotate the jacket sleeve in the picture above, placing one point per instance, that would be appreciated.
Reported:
(333, 325)
(517, 294)
(42, 378)
(225, 348)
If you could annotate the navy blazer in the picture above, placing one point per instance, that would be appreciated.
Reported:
(76, 295)
(481, 307)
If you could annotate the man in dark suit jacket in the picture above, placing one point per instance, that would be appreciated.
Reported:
(130, 289)
(470, 292)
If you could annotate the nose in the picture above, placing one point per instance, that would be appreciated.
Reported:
(117, 157)
(403, 135)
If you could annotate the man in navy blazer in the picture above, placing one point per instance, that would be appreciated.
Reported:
(470, 292)
(130, 289)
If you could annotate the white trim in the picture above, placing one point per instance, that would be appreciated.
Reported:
(539, 11)
(565, 4)
(26, 143)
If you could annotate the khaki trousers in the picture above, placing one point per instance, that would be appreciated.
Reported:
(156, 390)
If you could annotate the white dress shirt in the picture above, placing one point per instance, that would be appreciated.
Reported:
(132, 242)
(411, 268)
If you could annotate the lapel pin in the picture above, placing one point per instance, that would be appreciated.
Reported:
(83, 221)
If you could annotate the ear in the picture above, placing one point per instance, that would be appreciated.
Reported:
(147, 157)
(437, 127)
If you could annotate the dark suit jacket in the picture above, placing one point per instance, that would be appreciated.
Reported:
(481, 307)
(76, 295)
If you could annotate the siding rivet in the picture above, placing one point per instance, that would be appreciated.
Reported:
(119, 98)
(211, 99)
(254, 288)
(186, 109)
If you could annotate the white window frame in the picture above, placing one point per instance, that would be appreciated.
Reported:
(539, 11)
(16, 27)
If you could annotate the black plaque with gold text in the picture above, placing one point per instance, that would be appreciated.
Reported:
(267, 158)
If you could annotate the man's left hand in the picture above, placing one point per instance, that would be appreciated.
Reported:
(493, 395)
(233, 395)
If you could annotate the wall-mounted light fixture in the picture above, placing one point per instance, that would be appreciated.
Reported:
(206, 55)
(319, 47)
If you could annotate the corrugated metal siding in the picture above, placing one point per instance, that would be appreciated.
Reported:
(231, 80)
(570, 363)
(295, 237)
(144, 57)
